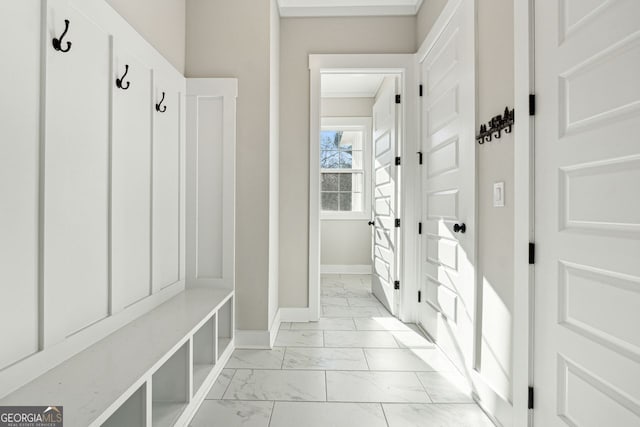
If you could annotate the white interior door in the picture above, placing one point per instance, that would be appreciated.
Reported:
(587, 297)
(384, 194)
(448, 185)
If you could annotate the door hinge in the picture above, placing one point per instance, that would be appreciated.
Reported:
(419, 228)
(397, 222)
(419, 157)
(420, 90)
(532, 105)
(530, 399)
(398, 99)
(398, 161)
(396, 285)
(532, 253)
(419, 296)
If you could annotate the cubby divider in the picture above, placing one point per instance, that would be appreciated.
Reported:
(132, 413)
(204, 352)
(225, 326)
(170, 388)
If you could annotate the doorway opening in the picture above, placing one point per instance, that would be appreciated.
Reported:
(359, 187)
(361, 121)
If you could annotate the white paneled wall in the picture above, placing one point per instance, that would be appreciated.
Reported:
(211, 130)
(92, 225)
(75, 190)
(131, 180)
(19, 148)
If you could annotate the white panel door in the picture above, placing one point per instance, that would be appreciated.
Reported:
(76, 173)
(448, 185)
(385, 186)
(131, 179)
(19, 165)
(587, 272)
(166, 183)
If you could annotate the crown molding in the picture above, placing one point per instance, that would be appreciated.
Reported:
(296, 8)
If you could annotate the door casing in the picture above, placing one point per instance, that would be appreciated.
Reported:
(402, 65)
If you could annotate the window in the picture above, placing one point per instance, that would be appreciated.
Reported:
(344, 167)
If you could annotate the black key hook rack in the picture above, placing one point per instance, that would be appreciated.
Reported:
(495, 126)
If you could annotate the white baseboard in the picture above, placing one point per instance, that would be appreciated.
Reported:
(253, 339)
(294, 314)
(274, 328)
(345, 269)
(248, 339)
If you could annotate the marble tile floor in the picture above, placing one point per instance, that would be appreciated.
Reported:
(358, 366)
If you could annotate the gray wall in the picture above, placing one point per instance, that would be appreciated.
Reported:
(345, 242)
(160, 22)
(231, 39)
(426, 17)
(495, 163)
(300, 37)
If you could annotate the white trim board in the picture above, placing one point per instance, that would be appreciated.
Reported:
(294, 314)
(256, 339)
(274, 328)
(523, 273)
(252, 339)
(345, 269)
(302, 8)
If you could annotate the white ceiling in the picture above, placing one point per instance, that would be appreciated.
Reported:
(289, 8)
(350, 85)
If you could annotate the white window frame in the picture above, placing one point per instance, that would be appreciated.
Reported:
(363, 124)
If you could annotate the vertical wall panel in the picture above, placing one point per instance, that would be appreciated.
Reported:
(19, 146)
(210, 201)
(131, 181)
(166, 186)
(209, 206)
(76, 150)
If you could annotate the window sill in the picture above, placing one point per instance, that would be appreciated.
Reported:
(357, 216)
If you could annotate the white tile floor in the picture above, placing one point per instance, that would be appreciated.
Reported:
(357, 367)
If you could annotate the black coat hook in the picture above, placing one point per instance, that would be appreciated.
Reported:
(57, 42)
(164, 107)
(119, 81)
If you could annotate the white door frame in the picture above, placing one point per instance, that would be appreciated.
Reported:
(404, 66)
(523, 212)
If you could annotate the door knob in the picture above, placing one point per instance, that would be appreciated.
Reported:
(459, 228)
(371, 223)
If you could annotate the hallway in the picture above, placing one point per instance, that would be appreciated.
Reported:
(357, 366)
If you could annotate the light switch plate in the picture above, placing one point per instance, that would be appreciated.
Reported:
(498, 194)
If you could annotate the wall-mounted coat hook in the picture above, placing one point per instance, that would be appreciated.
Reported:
(495, 126)
(57, 42)
(160, 109)
(119, 81)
